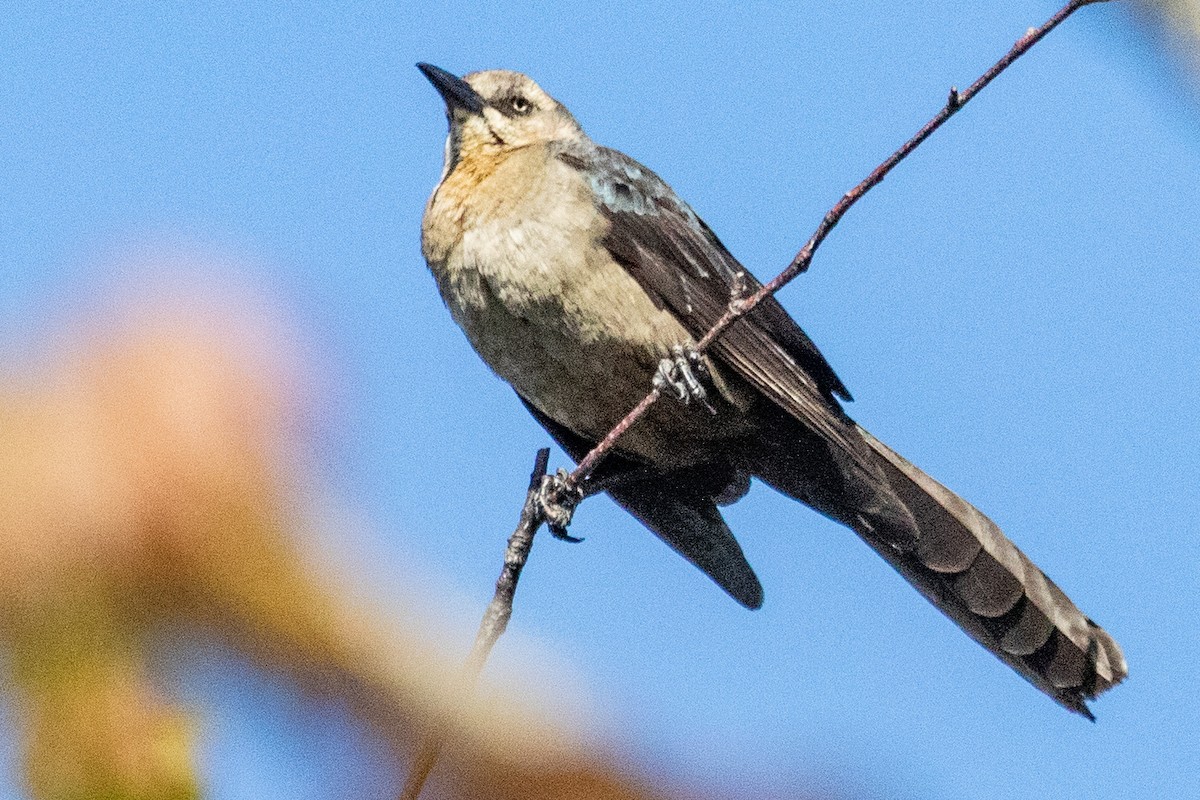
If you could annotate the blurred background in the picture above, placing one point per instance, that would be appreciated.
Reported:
(255, 487)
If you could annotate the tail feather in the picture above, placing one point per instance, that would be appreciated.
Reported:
(965, 565)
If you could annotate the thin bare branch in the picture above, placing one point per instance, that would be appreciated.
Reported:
(740, 307)
(495, 618)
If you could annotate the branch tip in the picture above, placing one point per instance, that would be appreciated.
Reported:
(541, 463)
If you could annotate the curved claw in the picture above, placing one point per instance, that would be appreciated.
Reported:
(562, 535)
(681, 374)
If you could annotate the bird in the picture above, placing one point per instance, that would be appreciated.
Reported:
(582, 279)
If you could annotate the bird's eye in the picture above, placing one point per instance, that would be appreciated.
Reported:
(520, 105)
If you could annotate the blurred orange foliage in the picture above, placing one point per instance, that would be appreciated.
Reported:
(143, 486)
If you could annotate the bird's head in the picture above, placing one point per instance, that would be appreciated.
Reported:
(498, 109)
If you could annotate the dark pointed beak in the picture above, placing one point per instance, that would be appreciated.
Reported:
(454, 90)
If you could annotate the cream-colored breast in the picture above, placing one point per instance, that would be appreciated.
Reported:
(517, 257)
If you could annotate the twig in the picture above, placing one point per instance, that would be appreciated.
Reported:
(739, 307)
(499, 611)
(495, 618)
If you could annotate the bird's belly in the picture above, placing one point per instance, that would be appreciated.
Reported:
(581, 342)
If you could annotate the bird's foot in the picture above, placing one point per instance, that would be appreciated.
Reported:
(681, 374)
(558, 498)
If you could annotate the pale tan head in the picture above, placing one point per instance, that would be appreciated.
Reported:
(498, 109)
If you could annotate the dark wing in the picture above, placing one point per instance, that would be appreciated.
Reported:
(684, 268)
(678, 507)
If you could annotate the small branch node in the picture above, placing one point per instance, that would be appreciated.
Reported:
(739, 291)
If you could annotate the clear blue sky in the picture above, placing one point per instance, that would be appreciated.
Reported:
(1015, 310)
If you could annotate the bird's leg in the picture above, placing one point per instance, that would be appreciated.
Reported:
(558, 498)
(681, 374)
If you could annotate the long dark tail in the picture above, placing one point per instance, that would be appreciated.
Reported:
(970, 570)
